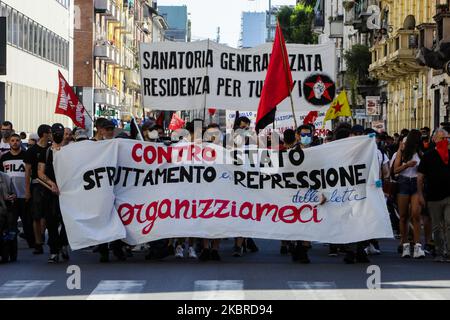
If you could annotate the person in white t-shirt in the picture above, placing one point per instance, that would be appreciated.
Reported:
(406, 162)
(7, 131)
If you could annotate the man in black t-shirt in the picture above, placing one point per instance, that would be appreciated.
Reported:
(57, 238)
(12, 164)
(34, 192)
(434, 168)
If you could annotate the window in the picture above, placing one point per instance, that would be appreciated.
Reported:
(26, 34)
(51, 55)
(15, 28)
(20, 30)
(9, 23)
(42, 52)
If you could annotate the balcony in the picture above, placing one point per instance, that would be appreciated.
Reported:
(104, 51)
(132, 79)
(105, 7)
(337, 27)
(107, 97)
(396, 56)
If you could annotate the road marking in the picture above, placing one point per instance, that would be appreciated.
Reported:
(419, 290)
(117, 290)
(23, 288)
(219, 290)
(315, 290)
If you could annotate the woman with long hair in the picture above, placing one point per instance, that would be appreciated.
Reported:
(407, 160)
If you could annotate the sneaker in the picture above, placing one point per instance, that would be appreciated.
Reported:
(191, 253)
(284, 250)
(119, 253)
(302, 252)
(430, 249)
(333, 251)
(406, 250)
(205, 255)
(371, 250)
(65, 253)
(251, 245)
(215, 255)
(54, 258)
(179, 252)
(418, 251)
(38, 249)
(238, 252)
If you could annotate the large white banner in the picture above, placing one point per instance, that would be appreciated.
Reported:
(139, 192)
(194, 75)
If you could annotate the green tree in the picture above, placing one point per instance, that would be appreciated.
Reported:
(297, 24)
(358, 60)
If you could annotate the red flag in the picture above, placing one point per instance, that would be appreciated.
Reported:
(68, 103)
(311, 117)
(176, 122)
(278, 83)
(212, 111)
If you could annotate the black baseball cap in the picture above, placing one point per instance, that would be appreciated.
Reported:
(57, 128)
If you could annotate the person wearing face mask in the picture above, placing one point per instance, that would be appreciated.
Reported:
(434, 171)
(57, 238)
(7, 131)
(303, 136)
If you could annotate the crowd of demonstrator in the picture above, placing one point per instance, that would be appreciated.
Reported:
(414, 164)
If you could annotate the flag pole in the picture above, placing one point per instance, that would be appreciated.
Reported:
(287, 77)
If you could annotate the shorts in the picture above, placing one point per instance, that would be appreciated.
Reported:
(407, 186)
(38, 201)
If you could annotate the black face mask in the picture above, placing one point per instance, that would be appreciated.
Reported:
(58, 137)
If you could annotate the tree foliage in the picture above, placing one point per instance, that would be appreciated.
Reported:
(358, 59)
(297, 23)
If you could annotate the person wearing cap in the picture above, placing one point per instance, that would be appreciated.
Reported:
(33, 139)
(57, 238)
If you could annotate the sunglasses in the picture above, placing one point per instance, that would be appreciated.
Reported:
(305, 134)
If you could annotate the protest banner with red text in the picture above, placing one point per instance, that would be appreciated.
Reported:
(140, 192)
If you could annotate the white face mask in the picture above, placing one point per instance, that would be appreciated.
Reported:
(153, 135)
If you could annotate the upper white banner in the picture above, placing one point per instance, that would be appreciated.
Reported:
(195, 75)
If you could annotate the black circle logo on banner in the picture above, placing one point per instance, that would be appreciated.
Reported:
(319, 89)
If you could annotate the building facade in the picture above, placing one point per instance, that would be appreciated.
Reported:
(253, 29)
(177, 19)
(106, 69)
(417, 95)
(39, 43)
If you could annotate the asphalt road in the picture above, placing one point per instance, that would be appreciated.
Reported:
(262, 275)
